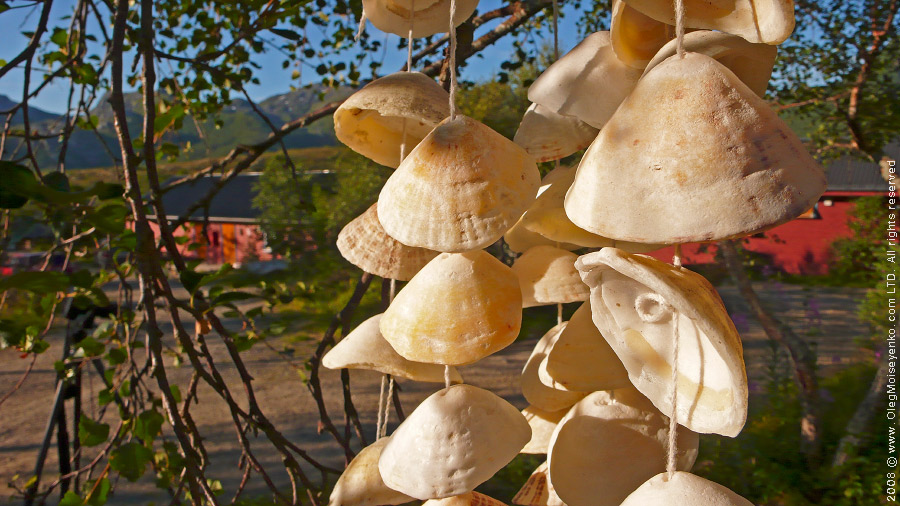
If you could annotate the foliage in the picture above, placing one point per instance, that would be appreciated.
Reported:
(857, 259)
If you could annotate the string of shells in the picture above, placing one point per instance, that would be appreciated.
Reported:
(680, 148)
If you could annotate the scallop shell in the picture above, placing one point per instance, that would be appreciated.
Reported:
(537, 393)
(636, 300)
(707, 160)
(370, 122)
(519, 239)
(581, 360)
(683, 489)
(570, 86)
(460, 189)
(768, 21)
(365, 348)
(364, 243)
(454, 441)
(547, 135)
(542, 424)
(636, 37)
(428, 16)
(537, 490)
(470, 499)
(458, 309)
(361, 485)
(547, 275)
(608, 444)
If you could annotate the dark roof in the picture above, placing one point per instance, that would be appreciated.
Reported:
(850, 174)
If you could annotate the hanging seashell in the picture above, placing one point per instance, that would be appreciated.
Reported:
(570, 86)
(461, 188)
(636, 37)
(364, 243)
(371, 121)
(428, 16)
(454, 441)
(519, 239)
(542, 424)
(537, 393)
(608, 444)
(458, 309)
(751, 63)
(692, 155)
(581, 360)
(683, 489)
(768, 21)
(548, 135)
(547, 275)
(538, 491)
(470, 499)
(365, 348)
(635, 301)
(361, 485)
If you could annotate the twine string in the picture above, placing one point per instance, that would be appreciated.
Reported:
(453, 83)
(673, 420)
(409, 39)
(446, 376)
(378, 424)
(679, 26)
(555, 30)
(362, 26)
(387, 407)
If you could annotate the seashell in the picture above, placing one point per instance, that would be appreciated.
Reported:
(470, 499)
(581, 360)
(768, 21)
(458, 309)
(706, 159)
(608, 444)
(454, 441)
(537, 490)
(428, 16)
(538, 394)
(366, 348)
(547, 217)
(361, 485)
(547, 275)
(542, 424)
(548, 135)
(751, 63)
(460, 189)
(636, 302)
(636, 37)
(370, 122)
(570, 86)
(683, 489)
(519, 239)
(364, 243)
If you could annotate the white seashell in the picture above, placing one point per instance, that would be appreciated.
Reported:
(683, 489)
(548, 135)
(636, 37)
(538, 491)
(470, 499)
(361, 485)
(542, 424)
(428, 16)
(547, 275)
(537, 393)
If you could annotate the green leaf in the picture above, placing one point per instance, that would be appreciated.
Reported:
(92, 433)
(104, 397)
(230, 297)
(16, 185)
(287, 34)
(36, 282)
(100, 491)
(71, 499)
(91, 347)
(109, 218)
(148, 425)
(60, 37)
(117, 356)
(81, 278)
(106, 191)
(130, 460)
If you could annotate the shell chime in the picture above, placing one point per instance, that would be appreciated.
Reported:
(680, 148)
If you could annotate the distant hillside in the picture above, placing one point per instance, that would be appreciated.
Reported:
(240, 125)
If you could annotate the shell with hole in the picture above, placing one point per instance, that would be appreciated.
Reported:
(460, 189)
(534, 391)
(547, 275)
(641, 305)
(767, 21)
(608, 444)
(570, 86)
(537, 490)
(424, 17)
(470, 499)
(365, 348)
(361, 485)
(581, 360)
(751, 63)
(636, 37)
(458, 309)
(706, 159)
(454, 441)
(548, 135)
(364, 243)
(373, 120)
(542, 424)
(683, 489)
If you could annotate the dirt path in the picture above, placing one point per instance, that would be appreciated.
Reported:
(825, 316)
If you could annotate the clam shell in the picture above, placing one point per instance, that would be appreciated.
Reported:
(542, 424)
(429, 16)
(365, 348)
(636, 37)
(634, 300)
(538, 491)
(470, 499)
(361, 485)
(706, 159)
(370, 122)
(460, 189)
(536, 392)
(364, 243)
(547, 275)
(570, 86)
(683, 489)
(519, 239)
(547, 135)
(454, 441)
(608, 444)
(458, 309)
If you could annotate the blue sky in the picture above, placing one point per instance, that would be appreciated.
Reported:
(273, 78)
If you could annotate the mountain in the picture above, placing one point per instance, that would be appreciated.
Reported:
(35, 115)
